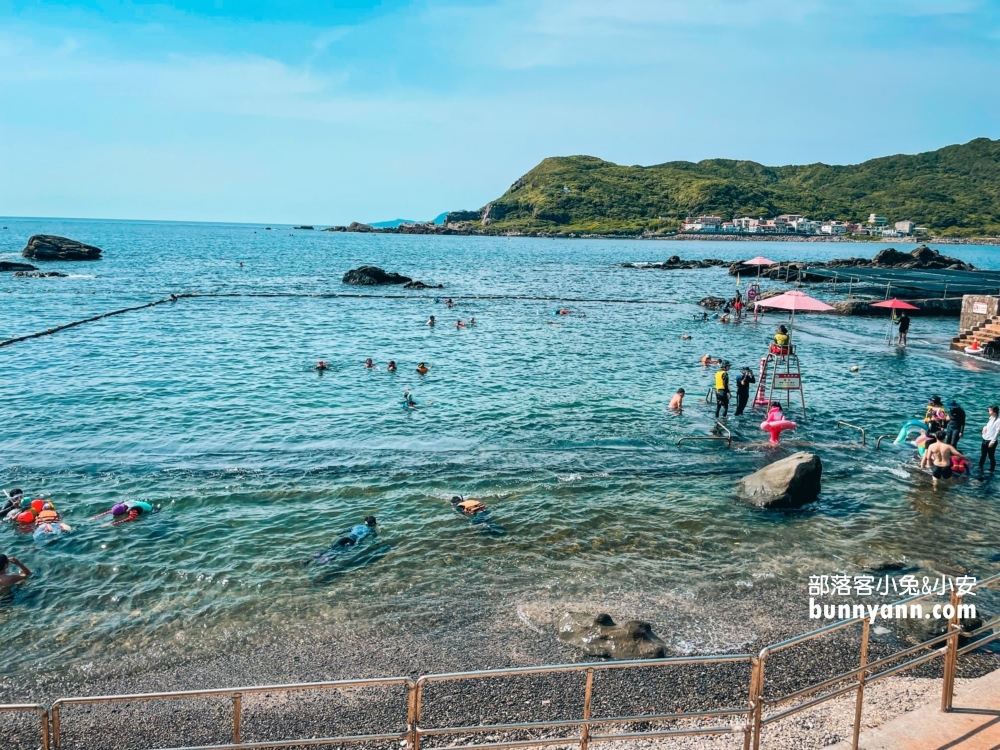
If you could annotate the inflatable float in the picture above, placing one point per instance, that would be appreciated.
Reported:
(974, 348)
(904, 431)
(777, 427)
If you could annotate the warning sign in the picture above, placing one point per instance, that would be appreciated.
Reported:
(978, 308)
(788, 381)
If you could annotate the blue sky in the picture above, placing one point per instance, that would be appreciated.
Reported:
(328, 112)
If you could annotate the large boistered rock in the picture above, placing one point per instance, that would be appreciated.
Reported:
(787, 483)
(600, 636)
(713, 303)
(356, 226)
(51, 247)
(373, 276)
(9, 265)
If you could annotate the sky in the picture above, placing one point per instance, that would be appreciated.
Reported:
(331, 112)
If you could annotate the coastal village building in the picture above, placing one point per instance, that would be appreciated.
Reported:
(703, 224)
(798, 224)
(878, 221)
(905, 227)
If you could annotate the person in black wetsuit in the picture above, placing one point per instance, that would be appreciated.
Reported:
(956, 424)
(904, 328)
(722, 390)
(743, 383)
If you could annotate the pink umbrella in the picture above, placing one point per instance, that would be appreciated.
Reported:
(894, 304)
(795, 301)
(760, 260)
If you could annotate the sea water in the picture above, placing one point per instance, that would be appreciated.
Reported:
(208, 408)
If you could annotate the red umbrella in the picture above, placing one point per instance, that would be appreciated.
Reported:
(894, 304)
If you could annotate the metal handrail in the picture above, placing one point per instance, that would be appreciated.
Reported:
(728, 437)
(878, 442)
(864, 437)
(865, 673)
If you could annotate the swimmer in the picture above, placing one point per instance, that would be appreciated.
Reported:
(370, 364)
(472, 322)
(13, 500)
(241, 262)
(469, 507)
(9, 580)
(321, 365)
(564, 311)
(350, 539)
(724, 318)
(460, 323)
(431, 321)
(449, 303)
(126, 512)
(391, 366)
(422, 368)
(708, 359)
(408, 401)
(685, 337)
(677, 402)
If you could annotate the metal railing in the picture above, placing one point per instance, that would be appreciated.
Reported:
(728, 437)
(878, 442)
(864, 434)
(754, 718)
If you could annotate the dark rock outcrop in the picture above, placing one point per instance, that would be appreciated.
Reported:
(600, 636)
(921, 259)
(373, 276)
(39, 274)
(51, 247)
(304, 226)
(338, 228)
(422, 285)
(8, 265)
(357, 226)
(787, 483)
(674, 263)
(713, 303)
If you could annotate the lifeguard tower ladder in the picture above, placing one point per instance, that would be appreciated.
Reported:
(776, 374)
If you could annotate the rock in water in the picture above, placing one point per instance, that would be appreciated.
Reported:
(9, 265)
(373, 276)
(600, 636)
(713, 303)
(51, 247)
(787, 483)
(422, 285)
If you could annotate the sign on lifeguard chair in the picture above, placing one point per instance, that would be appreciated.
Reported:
(788, 381)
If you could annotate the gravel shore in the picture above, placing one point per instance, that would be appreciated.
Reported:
(484, 635)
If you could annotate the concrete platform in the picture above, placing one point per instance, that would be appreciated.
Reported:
(974, 723)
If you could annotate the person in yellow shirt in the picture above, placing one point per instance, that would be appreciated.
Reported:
(722, 390)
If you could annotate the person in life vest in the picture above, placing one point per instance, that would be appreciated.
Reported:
(780, 343)
(722, 390)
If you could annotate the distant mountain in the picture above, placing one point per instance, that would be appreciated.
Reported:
(391, 224)
(952, 191)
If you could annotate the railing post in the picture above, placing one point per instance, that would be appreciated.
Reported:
(751, 703)
(759, 700)
(411, 712)
(862, 675)
(588, 693)
(951, 655)
(55, 725)
(417, 713)
(237, 711)
(45, 729)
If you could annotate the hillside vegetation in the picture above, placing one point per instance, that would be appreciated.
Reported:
(951, 191)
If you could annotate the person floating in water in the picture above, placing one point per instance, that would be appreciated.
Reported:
(391, 366)
(351, 539)
(10, 580)
(677, 402)
(12, 501)
(431, 321)
(469, 507)
(370, 364)
(708, 359)
(460, 323)
(472, 322)
(449, 303)
(126, 512)
(422, 368)
(321, 365)
(408, 401)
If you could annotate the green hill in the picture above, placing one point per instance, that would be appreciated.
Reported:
(951, 191)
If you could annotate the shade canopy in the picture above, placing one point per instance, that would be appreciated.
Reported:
(895, 304)
(760, 260)
(795, 301)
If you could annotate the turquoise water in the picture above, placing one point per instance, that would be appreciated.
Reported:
(208, 407)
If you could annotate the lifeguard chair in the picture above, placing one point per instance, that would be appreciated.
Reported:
(777, 374)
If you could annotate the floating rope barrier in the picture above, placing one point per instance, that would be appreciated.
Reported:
(50, 331)
(330, 295)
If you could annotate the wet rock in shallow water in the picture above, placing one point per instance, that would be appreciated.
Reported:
(7, 265)
(713, 303)
(920, 629)
(787, 483)
(51, 247)
(40, 274)
(422, 285)
(600, 636)
(373, 276)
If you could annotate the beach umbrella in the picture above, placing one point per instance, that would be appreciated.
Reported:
(795, 301)
(759, 261)
(892, 305)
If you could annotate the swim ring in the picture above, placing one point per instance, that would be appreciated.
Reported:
(776, 428)
(904, 431)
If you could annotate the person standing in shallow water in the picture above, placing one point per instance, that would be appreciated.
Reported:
(904, 328)
(956, 424)
(743, 383)
(9, 580)
(722, 390)
(991, 432)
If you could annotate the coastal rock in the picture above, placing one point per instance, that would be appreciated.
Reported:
(338, 228)
(39, 274)
(422, 285)
(950, 306)
(920, 629)
(373, 276)
(9, 265)
(51, 247)
(787, 483)
(713, 303)
(600, 636)
(359, 227)
(304, 226)
(921, 259)
(673, 263)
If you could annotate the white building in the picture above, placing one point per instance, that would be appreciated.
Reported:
(835, 228)
(802, 225)
(879, 221)
(703, 224)
(905, 227)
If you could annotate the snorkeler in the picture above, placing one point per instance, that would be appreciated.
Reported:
(126, 512)
(422, 368)
(12, 501)
(350, 539)
(391, 366)
(469, 507)
(370, 364)
(321, 365)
